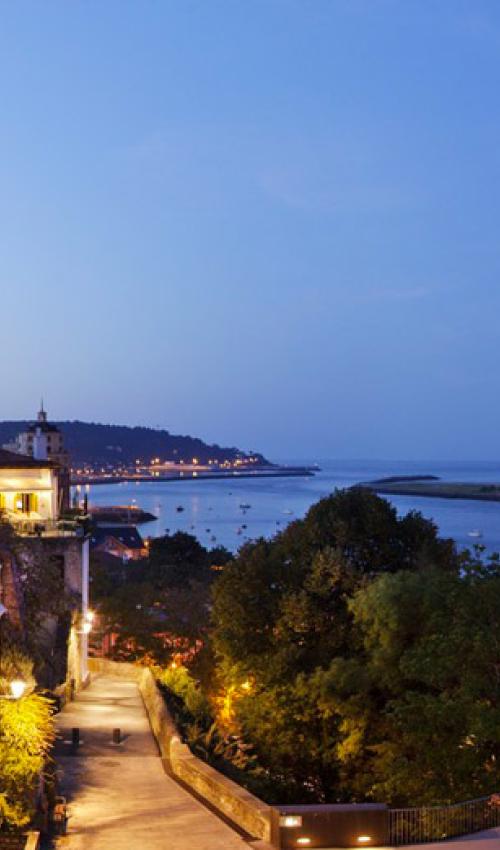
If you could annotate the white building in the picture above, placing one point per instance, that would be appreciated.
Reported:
(30, 500)
(42, 441)
(29, 488)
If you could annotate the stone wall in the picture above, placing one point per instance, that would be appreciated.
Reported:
(67, 549)
(247, 811)
(10, 590)
(11, 841)
(68, 553)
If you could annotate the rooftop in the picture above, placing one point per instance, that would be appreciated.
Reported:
(12, 460)
(127, 535)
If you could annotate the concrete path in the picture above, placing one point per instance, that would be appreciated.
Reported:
(487, 840)
(119, 795)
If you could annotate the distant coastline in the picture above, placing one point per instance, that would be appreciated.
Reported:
(430, 486)
(230, 475)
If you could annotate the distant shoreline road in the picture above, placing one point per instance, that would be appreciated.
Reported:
(429, 486)
(273, 472)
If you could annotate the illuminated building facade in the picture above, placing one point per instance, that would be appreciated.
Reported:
(42, 441)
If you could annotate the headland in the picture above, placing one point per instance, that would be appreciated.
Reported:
(431, 486)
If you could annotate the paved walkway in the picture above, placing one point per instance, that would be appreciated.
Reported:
(119, 796)
(487, 840)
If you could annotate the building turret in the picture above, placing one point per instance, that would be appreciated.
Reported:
(43, 440)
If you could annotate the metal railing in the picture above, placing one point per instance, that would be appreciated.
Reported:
(436, 823)
(47, 528)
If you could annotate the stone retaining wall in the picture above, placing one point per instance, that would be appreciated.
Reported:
(115, 668)
(247, 811)
(11, 841)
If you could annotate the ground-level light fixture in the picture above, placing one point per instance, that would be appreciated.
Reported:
(303, 841)
(17, 688)
(291, 821)
(364, 839)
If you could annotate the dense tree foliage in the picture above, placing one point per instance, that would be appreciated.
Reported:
(158, 608)
(282, 606)
(356, 656)
(373, 652)
(425, 723)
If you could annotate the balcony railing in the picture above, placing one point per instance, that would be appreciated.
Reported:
(436, 823)
(48, 528)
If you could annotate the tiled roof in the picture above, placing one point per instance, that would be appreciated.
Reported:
(11, 460)
(127, 535)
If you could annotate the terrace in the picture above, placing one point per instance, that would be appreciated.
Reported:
(38, 527)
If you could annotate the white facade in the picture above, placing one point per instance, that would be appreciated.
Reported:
(29, 493)
(41, 441)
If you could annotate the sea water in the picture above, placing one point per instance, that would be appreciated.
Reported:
(213, 509)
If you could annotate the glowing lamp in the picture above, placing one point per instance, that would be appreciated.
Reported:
(303, 841)
(17, 688)
(291, 821)
(364, 839)
(87, 628)
(89, 616)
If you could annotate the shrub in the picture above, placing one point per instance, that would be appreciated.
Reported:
(26, 733)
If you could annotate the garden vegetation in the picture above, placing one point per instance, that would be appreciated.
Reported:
(26, 736)
(354, 657)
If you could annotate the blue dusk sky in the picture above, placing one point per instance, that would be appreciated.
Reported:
(269, 223)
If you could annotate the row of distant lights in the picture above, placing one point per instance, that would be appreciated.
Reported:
(87, 470)
(295, 821)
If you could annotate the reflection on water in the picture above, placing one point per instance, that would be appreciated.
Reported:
(214, 510)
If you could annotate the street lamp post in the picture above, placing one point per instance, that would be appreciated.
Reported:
(17, 687)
